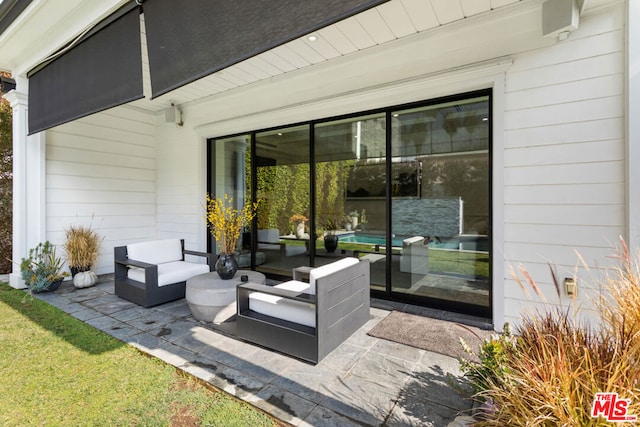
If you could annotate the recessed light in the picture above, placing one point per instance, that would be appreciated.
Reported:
(312, 38)
(484, 119)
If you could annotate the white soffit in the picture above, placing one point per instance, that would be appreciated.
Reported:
(396, 19)
(383, 24)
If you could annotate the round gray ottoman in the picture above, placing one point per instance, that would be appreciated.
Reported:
(212, 299)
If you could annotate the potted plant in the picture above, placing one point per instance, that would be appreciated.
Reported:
(226, 224)
(363, 219)
(354, 219)
(42, 270)
(298, 221)
(330, 238)
(82, 245)
(346, 221)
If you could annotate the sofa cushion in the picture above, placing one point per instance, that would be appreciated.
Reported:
(171, 272)
(325, 270)
(156, 251)
(285, 309)
(413, 240)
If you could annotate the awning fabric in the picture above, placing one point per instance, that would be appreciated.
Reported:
(186, 40)
(102, 71)
(190, 39)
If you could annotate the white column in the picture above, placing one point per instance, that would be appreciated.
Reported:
(28, 183)
(632, 124)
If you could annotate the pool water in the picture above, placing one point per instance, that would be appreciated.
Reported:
(442, 243)
(367, 239)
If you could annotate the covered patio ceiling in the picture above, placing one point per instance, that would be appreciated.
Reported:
(47, 29)
(393, 20)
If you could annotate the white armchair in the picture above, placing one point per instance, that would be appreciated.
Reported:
(307, 320)
(155, 272)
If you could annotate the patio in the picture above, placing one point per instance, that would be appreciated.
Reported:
(365, 381)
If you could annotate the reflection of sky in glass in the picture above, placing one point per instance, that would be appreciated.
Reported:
(453, 127)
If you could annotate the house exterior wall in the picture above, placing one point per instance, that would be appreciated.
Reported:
(558, 157)
(102, 172)
(181, 184)
(558, 154)
(564, 170)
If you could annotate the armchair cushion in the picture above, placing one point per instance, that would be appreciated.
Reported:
(170, 272)
(285, 309)
(325, 270)
(156, 251)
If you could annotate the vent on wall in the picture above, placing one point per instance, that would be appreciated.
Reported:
(560, 17)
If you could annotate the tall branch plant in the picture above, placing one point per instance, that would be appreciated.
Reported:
(225, 222)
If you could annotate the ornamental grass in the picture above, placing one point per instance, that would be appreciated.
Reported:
(549, 374)
(226, 222)
(82, 246)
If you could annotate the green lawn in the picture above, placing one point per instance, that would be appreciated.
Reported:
(58, 371)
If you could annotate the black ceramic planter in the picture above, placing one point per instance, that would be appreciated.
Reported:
(331, 242)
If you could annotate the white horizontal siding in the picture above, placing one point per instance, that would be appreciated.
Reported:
(101, 171)
(564, 160)
(181, 184)
(565, 194)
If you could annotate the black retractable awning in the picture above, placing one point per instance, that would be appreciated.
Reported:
(188, 40)
(10, 10)
(101, 71)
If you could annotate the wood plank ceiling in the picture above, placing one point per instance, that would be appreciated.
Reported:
(389, 21)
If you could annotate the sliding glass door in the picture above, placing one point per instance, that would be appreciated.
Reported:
(283, 193)
(230, 175)
(350, 159)
(407, 188)
(440, 201)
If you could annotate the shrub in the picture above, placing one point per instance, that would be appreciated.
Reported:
(6, 185)
(42, 268)
(492, 365)
(556, 365)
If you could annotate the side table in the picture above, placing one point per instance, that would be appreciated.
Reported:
(212, 299)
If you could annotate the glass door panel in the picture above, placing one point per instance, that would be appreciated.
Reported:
(440, 201)
(231, 176)
(350, 192)
(283, 194)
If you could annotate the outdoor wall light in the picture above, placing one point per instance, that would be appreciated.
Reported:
(571, 286)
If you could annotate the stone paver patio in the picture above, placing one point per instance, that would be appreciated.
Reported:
(365, 381)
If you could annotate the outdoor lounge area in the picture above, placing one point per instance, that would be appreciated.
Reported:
(454, 146)
(364, 381)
